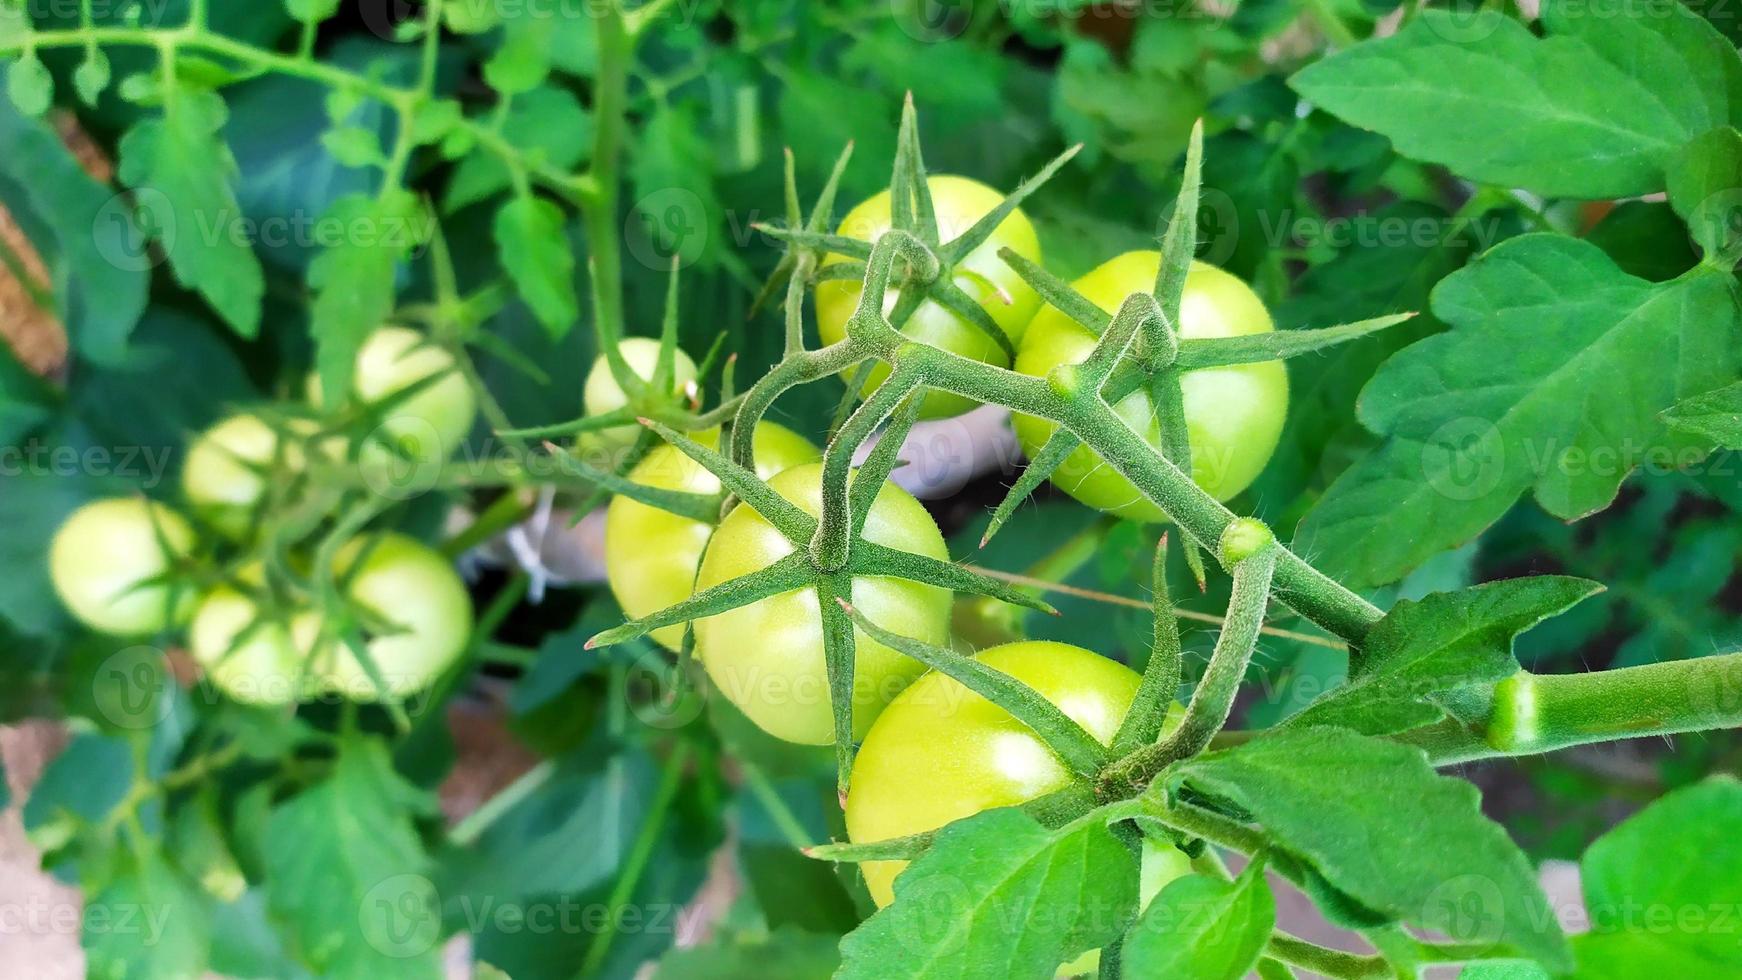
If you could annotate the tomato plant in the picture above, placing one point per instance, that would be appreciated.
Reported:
(959, 203)
(245, 654)
(1255, 619)
(604, 395)
(419, 406)
(415, 617)
(651, 555)
(940, 752)
(768, 657)
(113, 564)
(1233, 414)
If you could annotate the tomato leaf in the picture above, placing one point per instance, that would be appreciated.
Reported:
(1203, 928)
(182, 172)
(1715, 415)
(1448, 640)
(1325, 796)
(353, 277)
(29, 85)
(1677, 858)
(1551, 380)
(999, 895)
(1705, 188)
(346, 873)
(538, 257)
(545, 123)
(1594, 110)
(148, 923)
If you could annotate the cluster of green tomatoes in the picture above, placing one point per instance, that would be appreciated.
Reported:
(931, 751)
(233, 572)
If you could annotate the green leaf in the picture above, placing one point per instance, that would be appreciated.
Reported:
(1203, 928)
(1705, 188)
(147, 923)
(786, 954)
(1552, 380)
(999, 895)
(522, 62)
(311, 11)
(1715, 415)
(1328, 798)
(29, 85)
(182, 172)
(1423, 650)
(537, 255)
(354, 146)
(346, 872)
(547, 124)
(1503, 971)
(92, 77)
(26, 401)
(1594, 110)
(1661, 889)
(353, 278)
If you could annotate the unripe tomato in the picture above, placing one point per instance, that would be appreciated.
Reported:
(940, 752)
(767, 657)
(959, 203)
(1234, 414)
(250, 661)
(224, 476)
(651, 555)
(602, 393)
(406, 583)
(428, 426)
(105, 550)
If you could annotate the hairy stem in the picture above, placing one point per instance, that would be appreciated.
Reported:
(1530, 714)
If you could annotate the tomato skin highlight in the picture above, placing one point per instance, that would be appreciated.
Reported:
(602, 393)
(651, 555)
(403, 582)
(959, 202)
(1234, 414)
(767, 657)
(102, 552)
(940, 752)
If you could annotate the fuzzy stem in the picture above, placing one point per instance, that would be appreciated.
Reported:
(1530, 714)
(1214, 697)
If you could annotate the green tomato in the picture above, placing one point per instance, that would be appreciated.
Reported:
(1234, 415)
(402, 582)
(767, 657)
(103, 553)
(225, 474)
(940, 752)
(602, 394)
(251, 661)
(651, 555)
(959, 203)
(425, 428)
